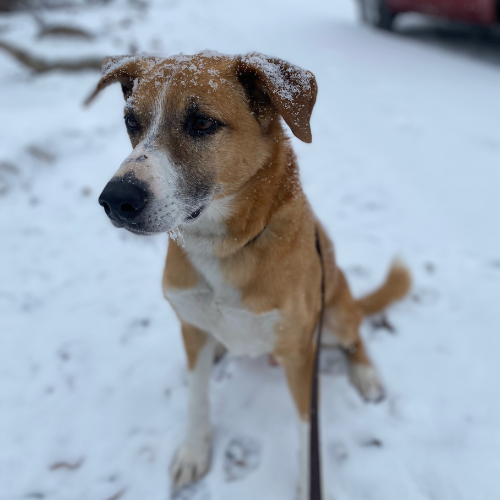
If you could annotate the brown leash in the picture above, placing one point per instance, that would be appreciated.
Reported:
(315, 459)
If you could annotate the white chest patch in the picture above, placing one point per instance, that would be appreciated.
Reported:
(216, 308)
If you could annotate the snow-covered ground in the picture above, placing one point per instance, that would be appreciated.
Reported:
(405, 159)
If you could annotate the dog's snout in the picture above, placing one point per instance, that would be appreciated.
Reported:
(123, 199)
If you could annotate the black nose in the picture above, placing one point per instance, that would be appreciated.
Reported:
(123, 199)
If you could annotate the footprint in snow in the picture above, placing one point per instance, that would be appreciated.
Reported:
(425, 296)
(137, 328)
(242, 457)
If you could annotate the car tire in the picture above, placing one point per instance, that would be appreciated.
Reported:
(377, 13)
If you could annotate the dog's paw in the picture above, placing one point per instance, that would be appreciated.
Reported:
(367, 382)
(190, 464)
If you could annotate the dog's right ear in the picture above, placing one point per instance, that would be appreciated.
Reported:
(122, 69)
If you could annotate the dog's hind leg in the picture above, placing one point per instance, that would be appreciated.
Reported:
(343, 317)
(363, 374)
(192, 460)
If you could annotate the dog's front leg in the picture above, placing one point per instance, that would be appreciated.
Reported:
(193, 457)
(299, 372)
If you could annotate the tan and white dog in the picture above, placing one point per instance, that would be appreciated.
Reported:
(212, 160)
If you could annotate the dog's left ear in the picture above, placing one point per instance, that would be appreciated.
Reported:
(290, 89)
(122, 69)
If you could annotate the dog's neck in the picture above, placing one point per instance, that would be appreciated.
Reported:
(230, 222)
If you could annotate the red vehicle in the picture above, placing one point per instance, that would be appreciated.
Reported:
(381, 13)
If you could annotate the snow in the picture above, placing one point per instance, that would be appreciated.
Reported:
(404, 160)
(287, 80)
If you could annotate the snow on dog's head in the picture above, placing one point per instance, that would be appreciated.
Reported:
(201, 127)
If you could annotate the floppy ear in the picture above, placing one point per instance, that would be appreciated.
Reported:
(123, 69)
(290, 89)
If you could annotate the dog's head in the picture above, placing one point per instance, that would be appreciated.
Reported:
(201, 126)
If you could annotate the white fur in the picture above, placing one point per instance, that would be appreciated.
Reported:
(158, 114)
(221, 313)
(193, 457)
(157, 170)
(213, 305)
(329, 339)
(204, 234)
(367, 381)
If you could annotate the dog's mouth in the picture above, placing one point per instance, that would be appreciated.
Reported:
(139, 228)
(194, 215)
(117, 223)
(133, 229)
(140, 232)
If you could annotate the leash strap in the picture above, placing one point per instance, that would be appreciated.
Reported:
(314, 452)
(315, 460)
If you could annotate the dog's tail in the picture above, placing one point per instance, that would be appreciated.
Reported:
(395, 287)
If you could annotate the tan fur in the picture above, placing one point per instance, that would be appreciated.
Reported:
(396, 286)
(194, 340)
(181, 276)
(299, 377)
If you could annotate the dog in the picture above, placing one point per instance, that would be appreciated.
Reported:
(212, 165)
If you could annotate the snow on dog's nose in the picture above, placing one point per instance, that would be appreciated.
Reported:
(144, 196)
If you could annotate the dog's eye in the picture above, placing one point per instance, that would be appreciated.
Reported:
(131, 123)
(200, 126)
(204, 124)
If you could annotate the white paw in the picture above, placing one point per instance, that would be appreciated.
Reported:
(367, 382)
(190, 464)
